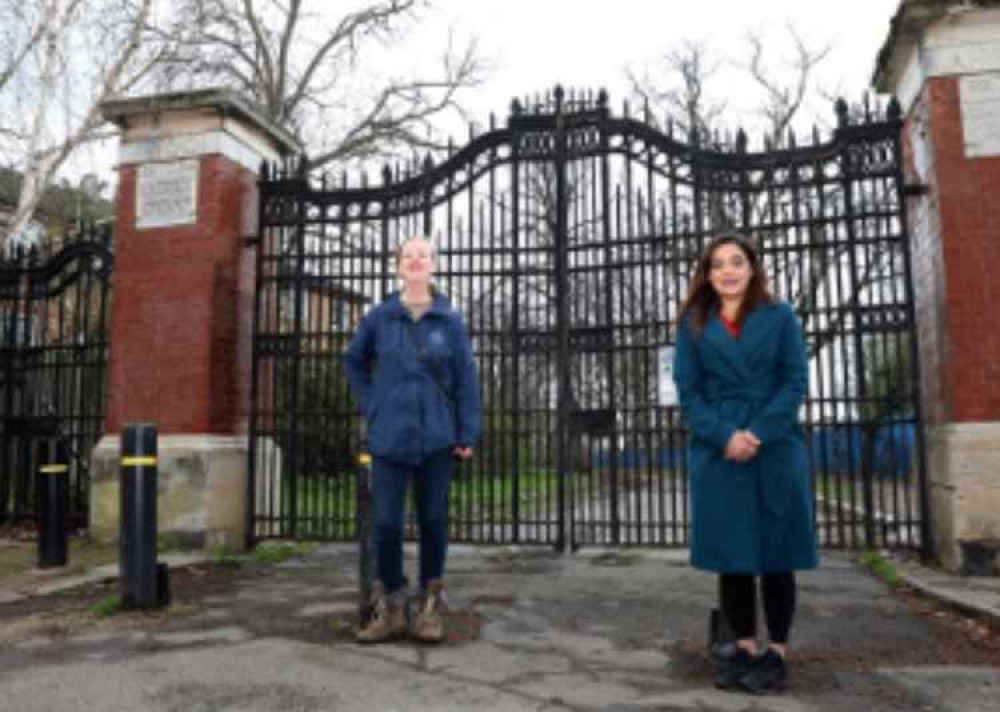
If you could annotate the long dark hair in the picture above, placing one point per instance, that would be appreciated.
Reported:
(702, 300)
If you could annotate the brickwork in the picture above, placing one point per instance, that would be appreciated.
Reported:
(183, 304)
(966, 193)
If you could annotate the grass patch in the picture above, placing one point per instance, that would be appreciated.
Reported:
(472, 493)
(227, 558)
(274, 552)
(107, 607)
(171, 541)
(266, 553)
(881, 567)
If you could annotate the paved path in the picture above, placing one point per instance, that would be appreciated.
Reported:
(620, 632)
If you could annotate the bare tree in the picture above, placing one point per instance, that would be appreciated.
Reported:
(309, 67)
(680, 87)
(783, 99)
(685, 100)
(63, 58)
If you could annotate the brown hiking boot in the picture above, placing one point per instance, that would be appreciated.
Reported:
(428, 625)
(388, 619)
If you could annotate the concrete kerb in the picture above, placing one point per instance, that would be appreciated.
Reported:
(973, 595)
(96, 574)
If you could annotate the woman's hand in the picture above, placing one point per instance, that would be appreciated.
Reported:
(462, 453)
(742, 446)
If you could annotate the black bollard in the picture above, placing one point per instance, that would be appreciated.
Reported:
(144, 584)
(53, 503)
(366, 538)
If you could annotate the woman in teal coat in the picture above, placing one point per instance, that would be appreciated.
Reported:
(741, 375)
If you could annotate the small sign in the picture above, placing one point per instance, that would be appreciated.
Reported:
(980, 101)
(667, 389)
(167, 194)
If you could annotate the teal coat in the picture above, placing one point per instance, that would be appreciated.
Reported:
(750, 517)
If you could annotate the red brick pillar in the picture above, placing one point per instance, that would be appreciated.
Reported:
(943, 64)
(180, 339)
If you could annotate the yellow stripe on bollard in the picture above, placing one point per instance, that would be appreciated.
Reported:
(139, 461)
(53, 469)
(364, 459)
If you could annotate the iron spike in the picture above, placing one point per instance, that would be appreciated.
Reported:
(840, 107)
(895, 110)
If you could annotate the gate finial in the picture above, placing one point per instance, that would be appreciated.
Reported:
(842, 113)
(894, 112)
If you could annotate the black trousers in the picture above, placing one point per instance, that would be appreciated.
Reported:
(739, 603)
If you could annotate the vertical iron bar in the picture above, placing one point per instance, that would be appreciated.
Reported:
(562, 316)
(609, 322)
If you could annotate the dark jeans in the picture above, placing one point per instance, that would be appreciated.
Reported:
(430, 488)
(739, 603)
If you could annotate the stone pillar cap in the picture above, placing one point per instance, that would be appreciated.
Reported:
(118, 111)
(912, 18)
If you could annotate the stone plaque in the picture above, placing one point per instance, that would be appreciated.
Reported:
(167, 194)
(667, 389)
(980, 99)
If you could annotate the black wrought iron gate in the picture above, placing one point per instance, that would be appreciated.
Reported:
(54, 307)
(566, 239)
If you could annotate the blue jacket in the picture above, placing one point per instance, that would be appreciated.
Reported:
(756, 516)
(415, 382)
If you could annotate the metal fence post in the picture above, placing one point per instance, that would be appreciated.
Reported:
(144, 583)
(53, 503)
(366, 538)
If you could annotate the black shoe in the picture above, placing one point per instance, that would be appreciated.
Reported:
(729, 671)
(767, 675)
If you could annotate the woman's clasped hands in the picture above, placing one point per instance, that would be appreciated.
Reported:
(742, 446)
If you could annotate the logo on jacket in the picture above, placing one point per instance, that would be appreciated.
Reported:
(436, 338)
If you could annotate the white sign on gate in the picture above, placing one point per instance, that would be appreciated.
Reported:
(667, 389)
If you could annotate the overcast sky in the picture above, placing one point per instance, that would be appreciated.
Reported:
(533, 44)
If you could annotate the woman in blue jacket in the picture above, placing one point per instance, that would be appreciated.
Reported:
(741, 375)
(411, 369)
